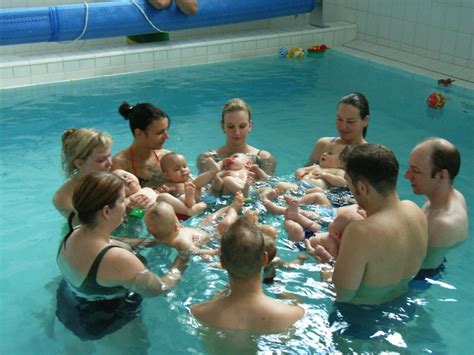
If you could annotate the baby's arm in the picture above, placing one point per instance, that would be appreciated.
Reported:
(335, 179)
(217, 183)
(259, 173)
(281, 264)
(302, 172)
(206, 177)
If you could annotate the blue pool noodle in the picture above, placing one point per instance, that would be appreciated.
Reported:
(118, 18)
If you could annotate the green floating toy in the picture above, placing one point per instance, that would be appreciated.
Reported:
(136, 213)
(247, 199)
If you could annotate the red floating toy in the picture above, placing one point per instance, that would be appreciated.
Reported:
(317, 49)
(435, 100)
(446, 82)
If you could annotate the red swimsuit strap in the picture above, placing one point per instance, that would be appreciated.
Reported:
(132, 160)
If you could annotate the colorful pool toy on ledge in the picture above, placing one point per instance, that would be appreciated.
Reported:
(317, 49)
(446, 82)
(294, 52)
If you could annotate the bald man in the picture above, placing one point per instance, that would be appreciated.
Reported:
(433, 166)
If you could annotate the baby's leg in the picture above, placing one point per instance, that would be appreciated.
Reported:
(160, 4)
(294, 230)
(268, 230)
(293, 213)
(232, 184)
(266, 196)
(248, 182)
(232, 213)
(282, 187)
(313, 189)
(269, 193)
(315, 198)
(273, 207)
(322, 246)
(189, 194)
(179, 205)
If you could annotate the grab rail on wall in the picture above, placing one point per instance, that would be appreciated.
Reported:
(118, 18)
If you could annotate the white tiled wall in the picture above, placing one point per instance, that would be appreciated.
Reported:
(30, 67)
(436, 29)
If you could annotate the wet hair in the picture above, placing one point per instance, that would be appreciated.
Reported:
(78, 143)
(374, 163)
(142, 115)
(93, 192)
(236, 105)
(359, 101)
(242, 248)
(444, 155)
(164, 215)
(167, 159)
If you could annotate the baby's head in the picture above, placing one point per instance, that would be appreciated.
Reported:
(270, 247)
(237, 161)
(345, 215)
(132, 185)
(160, 220)
(174, 167)
(330, 156)
(269, 271)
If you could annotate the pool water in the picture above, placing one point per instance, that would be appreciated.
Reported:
(294, 103)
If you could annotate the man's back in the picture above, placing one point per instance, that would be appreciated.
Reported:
(248, 312)
(379, 255)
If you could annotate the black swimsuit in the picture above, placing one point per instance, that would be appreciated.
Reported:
(93, 319)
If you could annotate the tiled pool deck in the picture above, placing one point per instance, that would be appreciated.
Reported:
(63, 62)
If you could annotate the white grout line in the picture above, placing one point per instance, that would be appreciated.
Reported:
(402, 60)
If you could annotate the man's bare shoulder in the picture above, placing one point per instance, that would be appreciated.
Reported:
(411, 209)
(447, 229)
(208, 312)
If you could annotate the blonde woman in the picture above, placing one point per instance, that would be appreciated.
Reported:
(236, 123)
(84, 150)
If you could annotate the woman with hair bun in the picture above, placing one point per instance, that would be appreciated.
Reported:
(84, 150)
(149, 126)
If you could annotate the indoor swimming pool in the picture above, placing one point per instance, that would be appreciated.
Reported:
(293, 103)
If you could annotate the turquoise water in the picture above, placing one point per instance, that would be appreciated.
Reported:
(294, 103)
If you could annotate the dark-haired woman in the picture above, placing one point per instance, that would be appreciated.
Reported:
(352, 120)
(103, 280)
(149, 126)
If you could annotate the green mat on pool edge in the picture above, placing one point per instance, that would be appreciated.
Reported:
(149, 37)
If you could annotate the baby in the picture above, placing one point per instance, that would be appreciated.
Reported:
(228, 215)
(274, 262)
(178, 180)
(162, 223)
(328, 173)
(326, 245)
(145, 197)
(298, 225)
(314, 180)
(237, 174)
